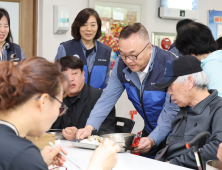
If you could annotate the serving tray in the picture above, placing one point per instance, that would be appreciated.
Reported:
(77, 143)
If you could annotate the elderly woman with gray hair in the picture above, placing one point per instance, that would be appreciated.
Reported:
(200, 110)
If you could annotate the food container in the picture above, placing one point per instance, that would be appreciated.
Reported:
(122, 139)
(213, 165)
(42, 141)
(57, 133)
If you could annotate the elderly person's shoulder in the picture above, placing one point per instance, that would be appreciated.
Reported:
(217, 100)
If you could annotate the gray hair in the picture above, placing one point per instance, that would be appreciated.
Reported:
(201, 79)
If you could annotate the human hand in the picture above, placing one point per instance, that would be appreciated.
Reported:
(167, 162)
(105, 156)
(144, 146)
(219, 152)
(69, 133)
(85, 132)
(51, 155)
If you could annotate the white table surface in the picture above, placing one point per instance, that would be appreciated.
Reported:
(125, 161)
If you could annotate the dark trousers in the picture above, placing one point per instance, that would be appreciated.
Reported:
(152, 153)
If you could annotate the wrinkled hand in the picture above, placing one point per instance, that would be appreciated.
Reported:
(69, 133)
(105, 156)
(145, 144)
(219, 152)
(51, 155)
(85, 132)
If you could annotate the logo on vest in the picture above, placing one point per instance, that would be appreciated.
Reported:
(102, 60)
(76, 55)
(127, 78)
(13, 57)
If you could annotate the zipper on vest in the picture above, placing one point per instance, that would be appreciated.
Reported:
(142, 105)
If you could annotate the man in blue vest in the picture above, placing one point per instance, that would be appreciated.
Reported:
(140, 65)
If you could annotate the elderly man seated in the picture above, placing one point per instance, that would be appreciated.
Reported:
(80, 101)
(200, 110)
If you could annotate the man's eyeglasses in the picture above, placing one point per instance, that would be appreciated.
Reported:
(131, 57)
(63, 108)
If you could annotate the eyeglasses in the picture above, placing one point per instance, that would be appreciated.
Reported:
(131, 57)
(63, 108)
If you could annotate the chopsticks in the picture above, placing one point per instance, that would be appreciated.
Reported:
(61, 153)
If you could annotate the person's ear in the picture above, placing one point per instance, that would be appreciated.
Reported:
(83, 73)
(41, 102)
(190, 82)
(150, 48)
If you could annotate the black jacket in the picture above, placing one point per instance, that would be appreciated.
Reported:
(205, 116)
(88, 98)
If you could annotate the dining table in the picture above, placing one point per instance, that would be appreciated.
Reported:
(125, 160)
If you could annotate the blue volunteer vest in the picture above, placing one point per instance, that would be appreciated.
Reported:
(14, 49)
(148, 103)
(97, 76)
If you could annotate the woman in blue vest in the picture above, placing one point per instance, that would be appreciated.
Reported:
(86, 29)
(9, 51)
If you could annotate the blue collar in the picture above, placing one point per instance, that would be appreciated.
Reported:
(83, 46)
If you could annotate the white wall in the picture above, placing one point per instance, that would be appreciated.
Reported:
(156, 24)
(48, 42)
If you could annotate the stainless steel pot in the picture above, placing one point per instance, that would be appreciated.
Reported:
(121, 139)
(57, 133)
(213, 165)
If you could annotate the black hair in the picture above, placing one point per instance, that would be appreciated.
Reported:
(3, 12)
(70, 62)
(182, 23)
(133, 28)
(81, 18)
(195, 38)
(219, 43)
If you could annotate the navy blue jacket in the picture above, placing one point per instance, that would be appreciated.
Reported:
(18, 153)
(97, 76)
(11, 49)
(153, 104)
(174, 50)
(147, 100)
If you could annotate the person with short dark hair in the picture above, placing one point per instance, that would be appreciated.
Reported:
(219, 43)
(196, 39)
(31, 100)
(139, 65)
(200, 111)
(179, 25)
(80, 100)
(9, 51)
(86, 29)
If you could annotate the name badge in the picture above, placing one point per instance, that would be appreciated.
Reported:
(102, 60)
